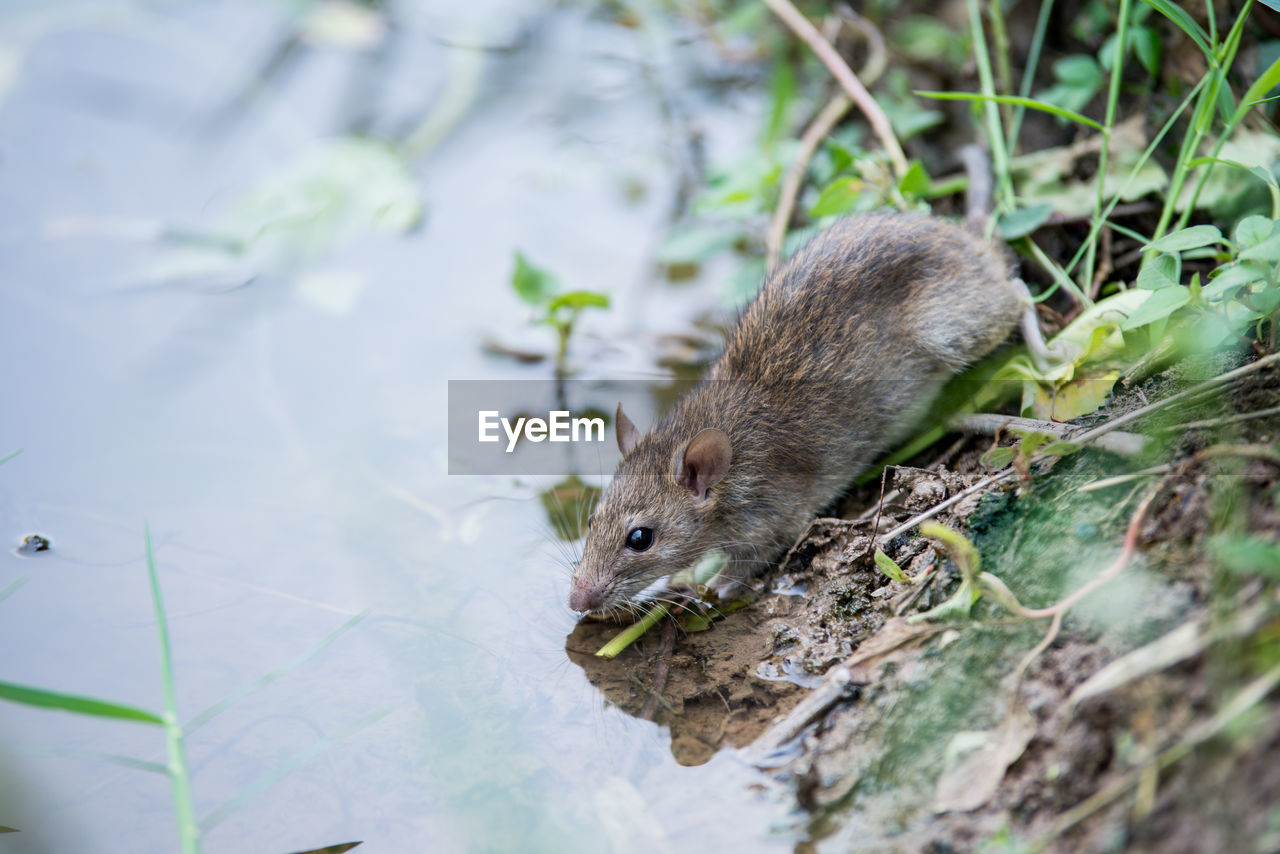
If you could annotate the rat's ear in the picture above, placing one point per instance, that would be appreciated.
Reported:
(628, 435)
(706, 460)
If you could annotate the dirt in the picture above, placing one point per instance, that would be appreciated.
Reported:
(940, 746)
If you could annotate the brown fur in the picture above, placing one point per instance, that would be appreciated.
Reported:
(839, 351)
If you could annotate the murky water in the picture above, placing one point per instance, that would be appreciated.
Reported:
(274, 409)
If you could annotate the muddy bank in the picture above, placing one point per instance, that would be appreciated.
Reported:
(1123, 721)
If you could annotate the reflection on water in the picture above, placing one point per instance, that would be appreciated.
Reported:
(245, 246)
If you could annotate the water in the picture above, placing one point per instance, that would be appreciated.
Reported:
(278, 418)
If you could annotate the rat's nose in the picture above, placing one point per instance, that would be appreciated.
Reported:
(585, 596)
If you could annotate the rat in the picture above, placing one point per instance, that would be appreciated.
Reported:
(840, 352)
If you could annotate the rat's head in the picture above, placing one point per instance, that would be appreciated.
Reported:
(655, 518)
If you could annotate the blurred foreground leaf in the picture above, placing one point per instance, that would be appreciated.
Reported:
(75, 703)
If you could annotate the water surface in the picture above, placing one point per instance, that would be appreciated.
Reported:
(278, 418)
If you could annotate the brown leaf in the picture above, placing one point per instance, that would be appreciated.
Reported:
(977, 762)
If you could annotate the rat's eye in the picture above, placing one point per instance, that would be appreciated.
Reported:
(640, 539)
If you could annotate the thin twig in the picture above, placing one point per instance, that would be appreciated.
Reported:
(943, 505)
(1049, 637)
(1226, 419)
(1107, 482)
(1201, 388)
(818, 130)
(1125, 444)
(844, 75)
(884, 475)
(791, 182)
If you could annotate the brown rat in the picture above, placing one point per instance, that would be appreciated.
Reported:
(844, 345)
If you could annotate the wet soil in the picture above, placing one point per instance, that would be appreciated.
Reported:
(960, 734)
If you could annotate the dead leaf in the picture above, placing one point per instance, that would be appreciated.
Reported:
(895, 636)
(1078, 397)
(977, 762)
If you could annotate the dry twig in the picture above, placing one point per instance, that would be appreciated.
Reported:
(801, 26)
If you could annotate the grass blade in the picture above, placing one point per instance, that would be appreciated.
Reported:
(1030, 103)
(1113, 96)
(9, 456)
(75, 703)
(1264, 84)
(179, 778)
(1029, 73)
(991, 113)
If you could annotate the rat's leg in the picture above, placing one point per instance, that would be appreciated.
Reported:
(1044, 356)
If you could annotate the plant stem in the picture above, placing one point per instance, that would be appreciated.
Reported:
(844, 75)
(633, 632)
(1096, 225)
(1230, 47)
(1113, 96)
(991, 111)
(179, 778)
(1004, 67)
(1029, 73)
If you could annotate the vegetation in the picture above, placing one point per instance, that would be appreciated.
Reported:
(1144, 205)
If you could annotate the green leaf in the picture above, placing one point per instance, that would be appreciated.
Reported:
(1029, 103)
(1185, 23)
(1249, 555)
(1266, 81)
(1187, 238)
(998, 458)
(958, 607)
(533, 285)
(1031, 442)
(579, 300)
(1162, 303)
(1252, 230)
(889, 567)
(1023, 221)
(1079, 79)
(1146, 44)
(926, 39)
(697, 623)
(1060, 449)
(1267, 250)
(838, 197)
(1078, 70)
(1235, 276)
(1160, 271)
(75, 703)
(916, 182)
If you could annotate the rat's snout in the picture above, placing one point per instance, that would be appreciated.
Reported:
(586, 595)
